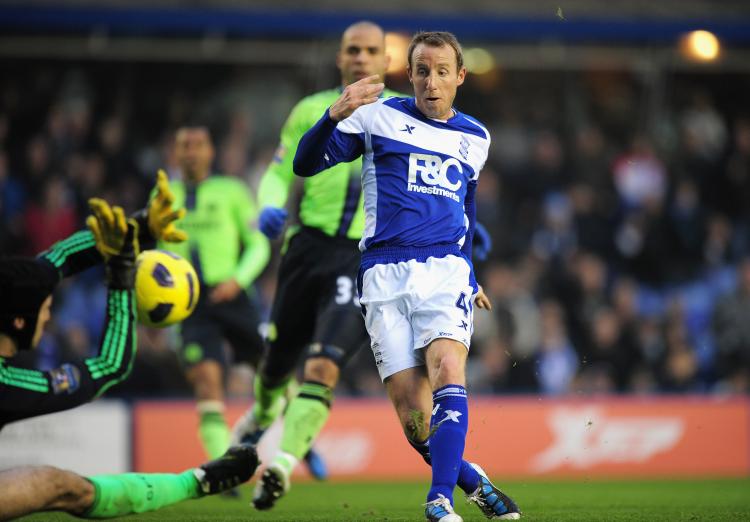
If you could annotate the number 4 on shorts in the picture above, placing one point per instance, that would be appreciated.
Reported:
(461, 303)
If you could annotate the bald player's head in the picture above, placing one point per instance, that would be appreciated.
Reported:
(362, 52)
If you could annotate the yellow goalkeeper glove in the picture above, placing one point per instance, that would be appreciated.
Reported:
(160, 215)
(109, 226)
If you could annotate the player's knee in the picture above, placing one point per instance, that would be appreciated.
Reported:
(322, 370)
(451, 365)
(447, 366)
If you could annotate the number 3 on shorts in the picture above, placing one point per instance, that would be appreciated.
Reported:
(345, 292)
(461, 303)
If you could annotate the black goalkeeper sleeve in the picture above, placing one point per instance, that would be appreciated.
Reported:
(78, 252)
(71, 255)
(27, 393)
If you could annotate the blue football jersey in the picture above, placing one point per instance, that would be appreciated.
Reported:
(415, 171)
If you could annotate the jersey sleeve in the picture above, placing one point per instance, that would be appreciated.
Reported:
(27, 393)
(475, 178)
(470, 211)
(484, 151)
(329, 143)
(72, 255)
(257, 249)
(273, 190)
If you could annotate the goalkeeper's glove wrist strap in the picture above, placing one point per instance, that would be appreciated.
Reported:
(121, 272)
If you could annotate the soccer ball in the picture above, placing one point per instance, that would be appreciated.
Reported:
(166, 288)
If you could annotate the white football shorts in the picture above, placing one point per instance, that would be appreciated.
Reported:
(410, 304)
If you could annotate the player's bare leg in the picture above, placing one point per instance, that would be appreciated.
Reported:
(43, 488)
(411, 396)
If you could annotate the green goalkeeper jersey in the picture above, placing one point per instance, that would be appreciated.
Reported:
(223, 241)
(332, 200)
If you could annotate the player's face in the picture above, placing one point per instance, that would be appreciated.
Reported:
(435, 78)
(362, 54)
(194, 153)
(41, 321)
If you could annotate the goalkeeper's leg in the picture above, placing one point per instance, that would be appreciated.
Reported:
(44, 488)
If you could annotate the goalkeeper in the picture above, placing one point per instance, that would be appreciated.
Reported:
(27, 286)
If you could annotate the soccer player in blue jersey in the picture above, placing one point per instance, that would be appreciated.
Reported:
(421, 164)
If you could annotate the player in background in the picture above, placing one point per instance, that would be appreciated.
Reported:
(315, 306)
(422, 160)
(26, 286)
(228, 254)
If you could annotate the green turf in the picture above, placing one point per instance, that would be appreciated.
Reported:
(715, 500)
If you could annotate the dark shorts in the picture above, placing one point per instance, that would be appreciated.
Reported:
(316, 302)
(236, 321)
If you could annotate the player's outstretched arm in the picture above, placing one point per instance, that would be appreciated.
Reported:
(71, 255)
(27, 393)
(78, 252)
(156, 221)
(117, 240)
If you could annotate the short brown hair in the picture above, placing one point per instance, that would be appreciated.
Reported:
(437, 39)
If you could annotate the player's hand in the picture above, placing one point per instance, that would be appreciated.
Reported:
(482, 243)
(367, 90)
(225, 291)
(109, 226)
(482, 301)
(161, 217)
(271, 221)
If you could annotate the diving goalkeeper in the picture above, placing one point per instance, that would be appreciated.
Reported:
(26, 286)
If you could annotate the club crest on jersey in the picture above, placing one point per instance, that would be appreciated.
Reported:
(463, 148)
(65, 379)
(433, 173)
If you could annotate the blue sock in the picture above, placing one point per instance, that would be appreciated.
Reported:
(450, 413)
(468, 478)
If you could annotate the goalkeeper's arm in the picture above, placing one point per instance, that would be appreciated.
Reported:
(79, 252)
(27, 393)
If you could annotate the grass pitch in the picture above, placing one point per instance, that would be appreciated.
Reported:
(679, 500)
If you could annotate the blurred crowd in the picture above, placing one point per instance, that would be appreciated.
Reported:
(621, 226)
